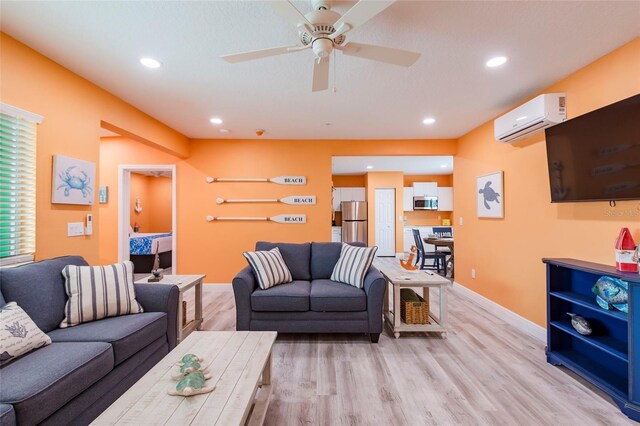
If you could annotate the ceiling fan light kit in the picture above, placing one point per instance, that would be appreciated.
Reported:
(323, 30)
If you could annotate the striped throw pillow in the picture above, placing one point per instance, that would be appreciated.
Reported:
(97, 292)
(269, 267)
(353, 265)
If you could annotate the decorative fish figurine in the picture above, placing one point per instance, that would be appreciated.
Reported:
(580, 324)
(612, 293)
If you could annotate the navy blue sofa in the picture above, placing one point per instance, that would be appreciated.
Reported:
(86, 367)
(312, 303)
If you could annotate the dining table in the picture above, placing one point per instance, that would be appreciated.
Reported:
(442, 242)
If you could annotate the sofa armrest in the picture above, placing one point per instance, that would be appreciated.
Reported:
(161, 298)
(243, 285)
(374, 286)
(7, 415)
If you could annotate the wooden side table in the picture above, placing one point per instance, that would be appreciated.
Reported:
(398, 278)
(184, 283)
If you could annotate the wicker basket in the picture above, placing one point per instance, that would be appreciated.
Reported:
(413, 308)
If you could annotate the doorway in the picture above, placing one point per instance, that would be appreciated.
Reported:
(146, 233)
(385, 223)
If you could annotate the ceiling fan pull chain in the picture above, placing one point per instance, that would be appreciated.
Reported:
(335, 74)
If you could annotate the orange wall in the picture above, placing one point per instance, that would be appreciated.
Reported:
(427, 217)
(73, 109)
(383, 180)
(112, 151)
(139, 189)
(159, 203)
(506, 253)
(348, 181)
(215, 248)
(155, 199)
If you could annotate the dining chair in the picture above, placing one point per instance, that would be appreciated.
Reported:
(439, 258)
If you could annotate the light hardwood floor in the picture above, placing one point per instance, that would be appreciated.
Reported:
(485, 373)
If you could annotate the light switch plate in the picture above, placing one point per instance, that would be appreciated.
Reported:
(75, 229)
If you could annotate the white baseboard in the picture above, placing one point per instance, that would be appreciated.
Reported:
(521, 323)
(216, 286)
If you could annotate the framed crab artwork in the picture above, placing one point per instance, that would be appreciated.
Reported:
(73, 181)
(489, 193)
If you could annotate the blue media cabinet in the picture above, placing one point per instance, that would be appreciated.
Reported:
(608, 358)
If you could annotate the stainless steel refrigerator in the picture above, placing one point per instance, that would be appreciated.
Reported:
(354, 221)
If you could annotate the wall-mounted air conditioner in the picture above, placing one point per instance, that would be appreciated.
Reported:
(539, 113)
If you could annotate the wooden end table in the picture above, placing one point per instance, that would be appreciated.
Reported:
(184, 283)
(398, 278)
(239, 363)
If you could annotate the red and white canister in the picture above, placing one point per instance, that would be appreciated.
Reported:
(625, 250)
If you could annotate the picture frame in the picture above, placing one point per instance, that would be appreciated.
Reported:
(72, 181)
(490, 195)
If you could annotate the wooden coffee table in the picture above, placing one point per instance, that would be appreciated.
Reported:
(240, 365)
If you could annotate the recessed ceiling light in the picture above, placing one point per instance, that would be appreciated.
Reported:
(150, 62)
(496, 62)
(216, 120)
(369, 167)
(429, 120)
(225, 131)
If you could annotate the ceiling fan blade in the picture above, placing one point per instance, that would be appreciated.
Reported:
(289, 12)
(320, 75)
(361, 12)
(381, 54)
(257, 54)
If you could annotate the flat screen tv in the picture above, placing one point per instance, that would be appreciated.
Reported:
(596, 156)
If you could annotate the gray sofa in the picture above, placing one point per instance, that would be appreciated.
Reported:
(86, 367)
(312, 303)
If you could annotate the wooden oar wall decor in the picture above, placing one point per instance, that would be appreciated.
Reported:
(299, 200)
(281, 180)
(282, 218)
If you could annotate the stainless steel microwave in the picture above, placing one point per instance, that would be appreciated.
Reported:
(425, 203)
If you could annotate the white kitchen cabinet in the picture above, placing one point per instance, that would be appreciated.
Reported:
(337, 192)
(407, 199)
(353, 194)
(425, 189)
(336, 234)
(445, 199)
(347, 194)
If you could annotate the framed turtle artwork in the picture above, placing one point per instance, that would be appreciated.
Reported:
(72, 181)
(489, 193)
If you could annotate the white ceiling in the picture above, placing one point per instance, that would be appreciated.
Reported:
(103, 41)
(409, 165)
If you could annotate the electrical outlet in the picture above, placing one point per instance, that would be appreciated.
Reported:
(460, 221)
(473, 274)
(75, 229)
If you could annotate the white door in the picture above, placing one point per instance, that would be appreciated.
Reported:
(385, 206)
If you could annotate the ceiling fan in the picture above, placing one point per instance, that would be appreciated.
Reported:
(324, 30)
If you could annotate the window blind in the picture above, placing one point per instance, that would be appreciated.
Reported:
(17, 184)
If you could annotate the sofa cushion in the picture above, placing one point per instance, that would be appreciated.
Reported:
(19, 335)
(97, 292)
(296, 256)
(39, 289)
(40, 383)
(353, 265)
(127, 334)
(2, 301)
(291, 297)
(324, 257)
(7, 415)
(269, 267)
(331, 296)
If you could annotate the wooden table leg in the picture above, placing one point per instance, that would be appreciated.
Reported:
(396, 310)
(198, 303)
(266, 372)
(443, 309)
